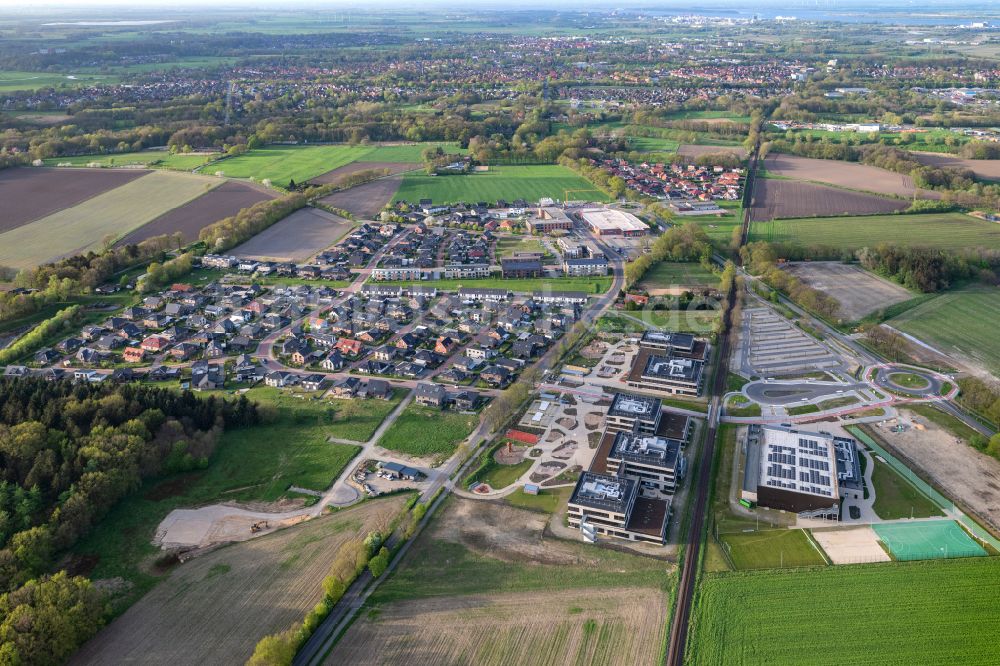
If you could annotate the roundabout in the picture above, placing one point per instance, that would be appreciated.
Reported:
(911, 381)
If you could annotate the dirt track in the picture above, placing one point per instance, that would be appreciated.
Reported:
(189, 219)
(776, 199)
(32, 193)
(858, 291)
(845, 174)
(213, 609)
(615, 626)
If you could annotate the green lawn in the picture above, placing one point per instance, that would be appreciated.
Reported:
(157, 158)
(800, 410)
(500, 182)
(500, 476)
(646, 144)
(897, 498)
(686, 321)
(509, 245)
(412, 152)
(356, 420)
(908, 380)
(946, 231)
(720, 229)
(687, 274)
(14, 80)
(771, 549)
(894, 613)
(427, 431)
(591, 285)
(964, 322)
(279, 164)
(546, 501)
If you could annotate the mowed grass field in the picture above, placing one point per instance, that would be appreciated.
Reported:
(111, 214)
(14, 80)
(427, 431)
(156, 158)
(300, 163)
(501, 182)
(771, 549)
(946, 231)
(671, 274)
(215, 608)
(934, 612)
(965, 322)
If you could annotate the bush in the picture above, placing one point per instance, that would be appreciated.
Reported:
(378, 564)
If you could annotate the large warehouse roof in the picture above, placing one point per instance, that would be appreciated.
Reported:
(608, 219)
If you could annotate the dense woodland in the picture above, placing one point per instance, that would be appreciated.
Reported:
(68, 453)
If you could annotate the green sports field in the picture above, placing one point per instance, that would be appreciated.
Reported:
(12, 80)
(279, 164)
(667, 274)
(501, 182)
(927, 540)
(946, 231)
(964, 322)
(771, 549)
(891, 614)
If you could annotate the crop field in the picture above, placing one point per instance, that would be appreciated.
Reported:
(771, 549)
(354, 167)
(14, 80)
(945, 231)
(365, 201)
(577, 627)
(157, 158)
(670, 276)
(964, 322)
(30, 194)
(426, 431)
(858, 291)
(776, 199)
(468, 592)
(693, 151)
(215, 608)
(645, 144)
(845, 174)
(280, 164)
(111, 214)
(225, 200)
(984, 169)
(501, 182)
(297, 237)
(899, 613)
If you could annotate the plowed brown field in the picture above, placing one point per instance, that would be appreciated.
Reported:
(845, 174)
(776, 199)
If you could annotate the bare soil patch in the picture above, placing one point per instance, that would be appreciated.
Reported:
(595, 349)
(858, 291)
(213, 609)
(845, 174)
(776, 199)
(354, 167)
(512, 457)
(567, 423)
(853, 545)
(592, 420)
(365, 201)
(189, 219)
(297, 237)
(970, 477)
(570, 627)
(33, 193)
(505, 533)
(984, 169)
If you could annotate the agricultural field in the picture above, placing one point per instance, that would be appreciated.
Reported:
(468, 593)
(215, 608)
(501, 182)
(354, 167)
(963, 322)
(898, 613)
(365, 201)
(693, 151)
(297, 237)
(591, 285)
(859, 292)
(776, 199)
(851, 175)
(152, 158)
(427, 431)
(14, 80)
(280, 164)
(225, 200)
(30, 194)
(109, 215)
(945, 231)
(984, 169)
(646, 144)
(670, 277)
(407, 152)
